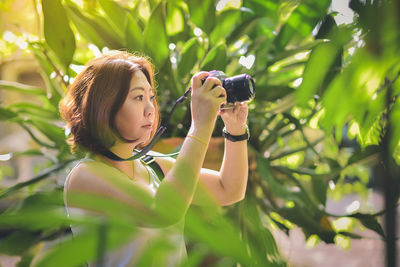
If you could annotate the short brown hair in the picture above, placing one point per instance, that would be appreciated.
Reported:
(96, 95)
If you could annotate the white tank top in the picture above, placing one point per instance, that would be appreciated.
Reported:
(130, 252)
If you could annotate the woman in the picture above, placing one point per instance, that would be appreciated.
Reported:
(111, 107)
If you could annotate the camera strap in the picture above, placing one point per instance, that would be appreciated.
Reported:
(151, 162)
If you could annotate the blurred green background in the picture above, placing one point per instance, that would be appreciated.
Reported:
(323, 122)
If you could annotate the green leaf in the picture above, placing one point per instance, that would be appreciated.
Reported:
(114, 37)
(134, 37)
(395, 116)
(359, 82)
(53, 86)
(242, 29)
(311, 222)
(6, 114)
(57, 32)
(261, 241)
(320, 186)
(328, 24)
(6, 170)
(174, 20)
(90, 29)
(370, 221)
(321, 58)
(32, 218)
(267, 92)
(156, 252)
(291, 52)
(117, 15)
(84, 246)
(29, 152)
(84, 25)
(361, 155)
(34, 180)
(52, 132)
(155, 38)
(265, 8)
(202, 13)
(218, 233)
(17, 242)
(301, 22)
(216, 59)
(34, 110)
(22, 88)
(279, 190)
(188, 57)
(226, 23)
(285, 75)
(26, 260)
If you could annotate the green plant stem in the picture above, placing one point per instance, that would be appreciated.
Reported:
(286, 153)
(309, 145)
(35, 138)
(378, 213)
(273, 136)
(268, 194)
(298, 184)
(56, 70)
(35, 179)
(304, 171)
(37, 17)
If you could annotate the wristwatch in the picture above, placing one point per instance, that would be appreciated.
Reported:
(236, 138)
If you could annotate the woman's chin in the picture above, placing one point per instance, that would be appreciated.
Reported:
(144, 140)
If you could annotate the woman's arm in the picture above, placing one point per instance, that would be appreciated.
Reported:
(229, 184)
(176, 192)
(225, 187)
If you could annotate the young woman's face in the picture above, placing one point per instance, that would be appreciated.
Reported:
(135, 119)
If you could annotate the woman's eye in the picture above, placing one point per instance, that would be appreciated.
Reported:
(139, 97)
(152, 97)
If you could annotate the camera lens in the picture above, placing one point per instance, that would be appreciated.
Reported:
(239, 88)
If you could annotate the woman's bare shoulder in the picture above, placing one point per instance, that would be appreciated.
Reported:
(90, 175)
(87, 169)
(101, 179)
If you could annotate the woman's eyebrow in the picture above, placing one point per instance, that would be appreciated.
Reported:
(140, 88)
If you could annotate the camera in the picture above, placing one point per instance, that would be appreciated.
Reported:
(239, 88)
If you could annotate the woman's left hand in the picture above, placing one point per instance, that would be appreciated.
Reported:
(235, 118)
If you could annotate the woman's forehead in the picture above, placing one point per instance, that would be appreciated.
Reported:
(139, 80)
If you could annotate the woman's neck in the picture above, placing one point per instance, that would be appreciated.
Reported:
(123, 150)
(130, 168)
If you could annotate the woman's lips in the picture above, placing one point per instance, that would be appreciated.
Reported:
(148, 126)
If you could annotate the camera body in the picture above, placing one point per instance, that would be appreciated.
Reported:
(239, 88)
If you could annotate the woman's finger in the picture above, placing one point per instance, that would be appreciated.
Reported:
(236, 109)
(212, 82)
(197, 79)
(218, 91)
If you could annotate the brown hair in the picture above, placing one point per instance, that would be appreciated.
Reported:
(96, 95)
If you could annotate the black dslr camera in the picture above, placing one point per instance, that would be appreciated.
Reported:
(238, 88)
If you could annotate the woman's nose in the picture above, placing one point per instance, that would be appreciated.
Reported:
(149, 109)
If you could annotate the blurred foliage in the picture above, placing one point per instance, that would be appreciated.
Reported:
(326, 97)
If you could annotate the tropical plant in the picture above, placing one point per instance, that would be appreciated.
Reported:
(324, 111)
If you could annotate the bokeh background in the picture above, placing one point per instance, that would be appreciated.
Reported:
(324, 149)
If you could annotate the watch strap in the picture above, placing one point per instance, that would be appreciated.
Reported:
(236, 138)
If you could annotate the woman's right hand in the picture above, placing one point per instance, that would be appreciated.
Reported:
(206, 100)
